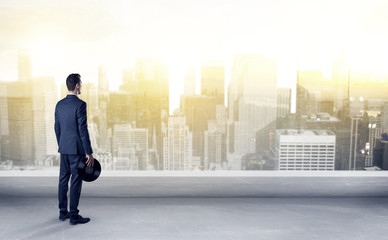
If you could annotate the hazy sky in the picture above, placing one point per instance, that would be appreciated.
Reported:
(77, 36)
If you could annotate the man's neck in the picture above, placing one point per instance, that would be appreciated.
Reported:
(72, 93)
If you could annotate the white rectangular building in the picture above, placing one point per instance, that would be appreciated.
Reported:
(305, 150)
(130, 145)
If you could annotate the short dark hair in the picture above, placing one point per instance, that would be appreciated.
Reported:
(72, 80)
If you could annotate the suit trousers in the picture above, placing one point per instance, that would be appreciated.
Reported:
(68, 167)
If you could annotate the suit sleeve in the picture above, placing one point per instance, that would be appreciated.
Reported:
(83, 128)
(57, 127)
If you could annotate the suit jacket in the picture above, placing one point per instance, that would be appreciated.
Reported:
(71, 126)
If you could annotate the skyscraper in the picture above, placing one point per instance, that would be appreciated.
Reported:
(311, 97)
(151, 76)
(215, 141)
(139, 138)
(18, 145)
(283, 102)
(340, 76)
(121, 108)
(380, 158)
(178, 144)
(103, 99)
(122, 147)
(252, 100)
(130, 147)
(44, 98)
(384, 118)
(213, 82)
(152, 104)
(103, 84)
(90, 96)
(374, 132)
(198, 110)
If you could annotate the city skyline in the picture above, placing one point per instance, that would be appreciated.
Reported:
(132, 128)
(188, 86)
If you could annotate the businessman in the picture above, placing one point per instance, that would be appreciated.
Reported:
(73, 140)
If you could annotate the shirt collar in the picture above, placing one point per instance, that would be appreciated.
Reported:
(71, 95)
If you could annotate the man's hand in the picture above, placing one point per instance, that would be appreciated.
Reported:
(90, 161)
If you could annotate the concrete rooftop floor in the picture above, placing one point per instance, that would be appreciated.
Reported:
(220, 207)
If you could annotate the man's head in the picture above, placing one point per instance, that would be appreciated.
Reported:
(73, 83)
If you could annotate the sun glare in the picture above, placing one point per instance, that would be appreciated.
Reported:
(47, 55)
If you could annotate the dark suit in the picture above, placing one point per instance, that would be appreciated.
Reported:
(73, 140)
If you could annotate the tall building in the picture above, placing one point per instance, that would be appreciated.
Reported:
(139, 138)
(24, 65)
(213, 82)
(44, 99)
(215, 141)
(190, 76)
(122, 147)
(18, 146)
(341, 129)
(312, 97)
(374, 132)
(214, 148)
(103, 99)
(384, 118)
(308, 150)
(178, 144)
(89, 94)
(162, 78)
(152, 104)
(103, 84)
(340, 76)
(130, 147)
(153, 154)
(230, 138)
(283, 102)
(152, 77)
(252, 101)
(145, 68)
(121, 108)
(198, 110)
(380, 153)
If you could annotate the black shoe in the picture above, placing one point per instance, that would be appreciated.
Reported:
(63, 216)
(78, 219)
